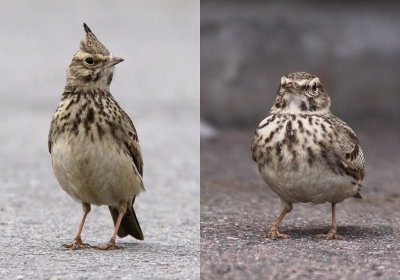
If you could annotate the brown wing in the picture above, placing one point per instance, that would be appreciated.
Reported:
(51, 131)
(49, 140)
(348, 149)
(257, 145)
(132, 143)
(129, 223)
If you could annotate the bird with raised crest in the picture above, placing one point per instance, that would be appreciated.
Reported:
(94, 145)
(306, 154)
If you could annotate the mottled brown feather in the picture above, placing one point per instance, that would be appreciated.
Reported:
(347, 147)
(132, 143)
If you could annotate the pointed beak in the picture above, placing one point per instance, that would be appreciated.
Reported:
(113, 61)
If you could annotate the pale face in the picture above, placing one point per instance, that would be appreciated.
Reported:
(90, 70)
(301, 92)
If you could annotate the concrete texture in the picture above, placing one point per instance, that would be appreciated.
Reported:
(157, 84)
(237, 208)
(246, 46)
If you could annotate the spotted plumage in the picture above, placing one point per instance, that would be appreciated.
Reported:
(93, 143)
(304, 152)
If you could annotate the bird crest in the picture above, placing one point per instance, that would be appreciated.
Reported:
(90, 44)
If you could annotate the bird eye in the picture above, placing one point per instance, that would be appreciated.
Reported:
(89, 61)
(314, 87)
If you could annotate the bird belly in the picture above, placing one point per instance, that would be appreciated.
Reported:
(316, 184)
(99, 173)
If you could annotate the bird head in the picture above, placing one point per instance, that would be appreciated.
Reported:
(92, 66)
(301, 92)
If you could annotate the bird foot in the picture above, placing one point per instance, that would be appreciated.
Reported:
(110, 246)
(274, 234)
(331, 235)
(77, 244)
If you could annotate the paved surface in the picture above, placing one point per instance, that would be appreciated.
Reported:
(157, 84)
(237, 208)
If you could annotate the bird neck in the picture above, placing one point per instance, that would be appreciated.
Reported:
(98, 80)
(91, 86)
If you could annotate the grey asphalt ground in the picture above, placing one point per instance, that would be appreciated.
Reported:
(157, 85)
(237, 208)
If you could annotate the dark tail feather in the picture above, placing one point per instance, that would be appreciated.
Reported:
(129, 224)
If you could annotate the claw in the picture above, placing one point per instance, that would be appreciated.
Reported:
(274, 234)
(331, 235)
(110, 246)
(77, 244)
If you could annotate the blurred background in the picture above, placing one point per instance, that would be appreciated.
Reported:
(157, 85)
(246, 46)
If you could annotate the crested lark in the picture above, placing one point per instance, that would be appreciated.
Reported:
(305, 153)
(93, 143)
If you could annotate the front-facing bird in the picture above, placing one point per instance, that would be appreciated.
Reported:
(305, 153)
(93, 143)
